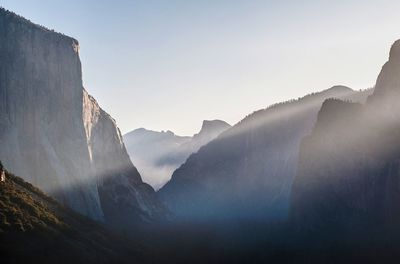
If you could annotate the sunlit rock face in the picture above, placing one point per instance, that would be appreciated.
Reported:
(349, 165)
(52, 132)
(246, 173)
(42, 134)
(158, 154)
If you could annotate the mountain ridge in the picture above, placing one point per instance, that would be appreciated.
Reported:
(158, 154)
(235, 176)
(348, 168)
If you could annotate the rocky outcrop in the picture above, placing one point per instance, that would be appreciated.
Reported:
(247, 171)
(54, 134)
(158, 154)
(349, 165)
(210, 129)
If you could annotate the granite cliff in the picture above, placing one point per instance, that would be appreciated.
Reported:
(55, 135)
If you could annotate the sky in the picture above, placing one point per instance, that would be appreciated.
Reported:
(168, 65)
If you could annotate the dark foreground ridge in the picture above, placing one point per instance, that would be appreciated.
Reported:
(34, 228)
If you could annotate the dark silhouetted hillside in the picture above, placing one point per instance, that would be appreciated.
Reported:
(34, 228)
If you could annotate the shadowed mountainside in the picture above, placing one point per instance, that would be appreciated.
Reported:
(348, 176)
(247, 171)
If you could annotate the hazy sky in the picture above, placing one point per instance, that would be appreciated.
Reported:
(170, 64)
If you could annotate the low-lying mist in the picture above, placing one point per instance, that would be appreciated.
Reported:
(158, 154)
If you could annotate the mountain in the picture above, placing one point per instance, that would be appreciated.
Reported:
(55, 135)
(158, 154)
(348, 177)
(247, 171)
(146, 148)
(35, 228)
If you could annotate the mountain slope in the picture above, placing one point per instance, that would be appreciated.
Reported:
(349, 165)
(55, 135)
(158, 154)
(246, 172)
(35, 228)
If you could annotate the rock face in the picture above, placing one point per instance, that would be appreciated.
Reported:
(349, 165)
(54, 134)
(247, 171)
(158, 154)
(210, 129)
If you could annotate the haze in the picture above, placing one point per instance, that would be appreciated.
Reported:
(170, 64)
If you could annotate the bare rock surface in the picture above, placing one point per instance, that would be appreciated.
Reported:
(55, 135)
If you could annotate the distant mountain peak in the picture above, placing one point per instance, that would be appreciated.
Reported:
(140, 129)
(168, 132)
(387, 87)
(394, 53)
(158, 154)
(211, 125)
(339, 88)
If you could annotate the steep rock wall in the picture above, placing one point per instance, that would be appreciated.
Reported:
(42, 135)
(54, 134)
